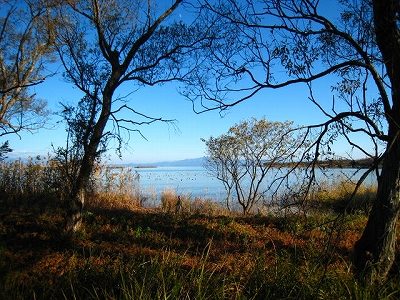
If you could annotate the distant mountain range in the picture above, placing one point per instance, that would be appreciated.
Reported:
(193, 162)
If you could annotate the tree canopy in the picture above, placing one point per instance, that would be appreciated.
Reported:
(248, 159)
(104, 45)
(26, 40)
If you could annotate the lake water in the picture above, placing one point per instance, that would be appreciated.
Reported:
(191, 181)
(198, 182)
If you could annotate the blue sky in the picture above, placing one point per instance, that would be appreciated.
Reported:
(183, 139)
(165, 142)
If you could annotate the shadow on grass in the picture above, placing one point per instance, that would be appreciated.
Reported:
(107, 230)
(181, 233)
(260, 254)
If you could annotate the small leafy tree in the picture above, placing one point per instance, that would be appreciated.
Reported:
(251, 152)
(222, 161)
(4, 149)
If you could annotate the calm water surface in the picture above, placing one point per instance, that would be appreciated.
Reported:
(198, 182)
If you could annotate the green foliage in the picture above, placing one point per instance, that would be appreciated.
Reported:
(4, 149)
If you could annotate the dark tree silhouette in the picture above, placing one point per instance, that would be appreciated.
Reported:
(105, 44)
(275, 44)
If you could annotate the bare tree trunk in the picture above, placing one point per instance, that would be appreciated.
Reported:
(228, 199)
(112, 61)
(74, 213)
(77, 197)
(374, 252)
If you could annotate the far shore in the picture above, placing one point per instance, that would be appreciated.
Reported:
(145, 167)
(364, 163)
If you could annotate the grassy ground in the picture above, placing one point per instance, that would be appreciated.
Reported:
(127, 252)
(149, 254)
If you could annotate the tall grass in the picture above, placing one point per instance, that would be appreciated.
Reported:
(288, 276)
(44, 182)
(35, 181)
(339, 197)
(115, 188)
(171, 202)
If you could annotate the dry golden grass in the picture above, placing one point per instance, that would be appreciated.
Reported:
(208, 207)
(185, 249)
(342, 190)
(113, 201)
(115, 189)
(171, 202)
(240, 251)
(339, 196)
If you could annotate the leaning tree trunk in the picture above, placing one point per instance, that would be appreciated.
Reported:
(77, 197)
(374, 252)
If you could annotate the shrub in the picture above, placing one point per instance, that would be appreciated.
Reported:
(338, 197)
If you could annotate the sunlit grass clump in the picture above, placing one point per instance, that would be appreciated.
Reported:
(171, 202)
(340, 196)
(115, 189)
